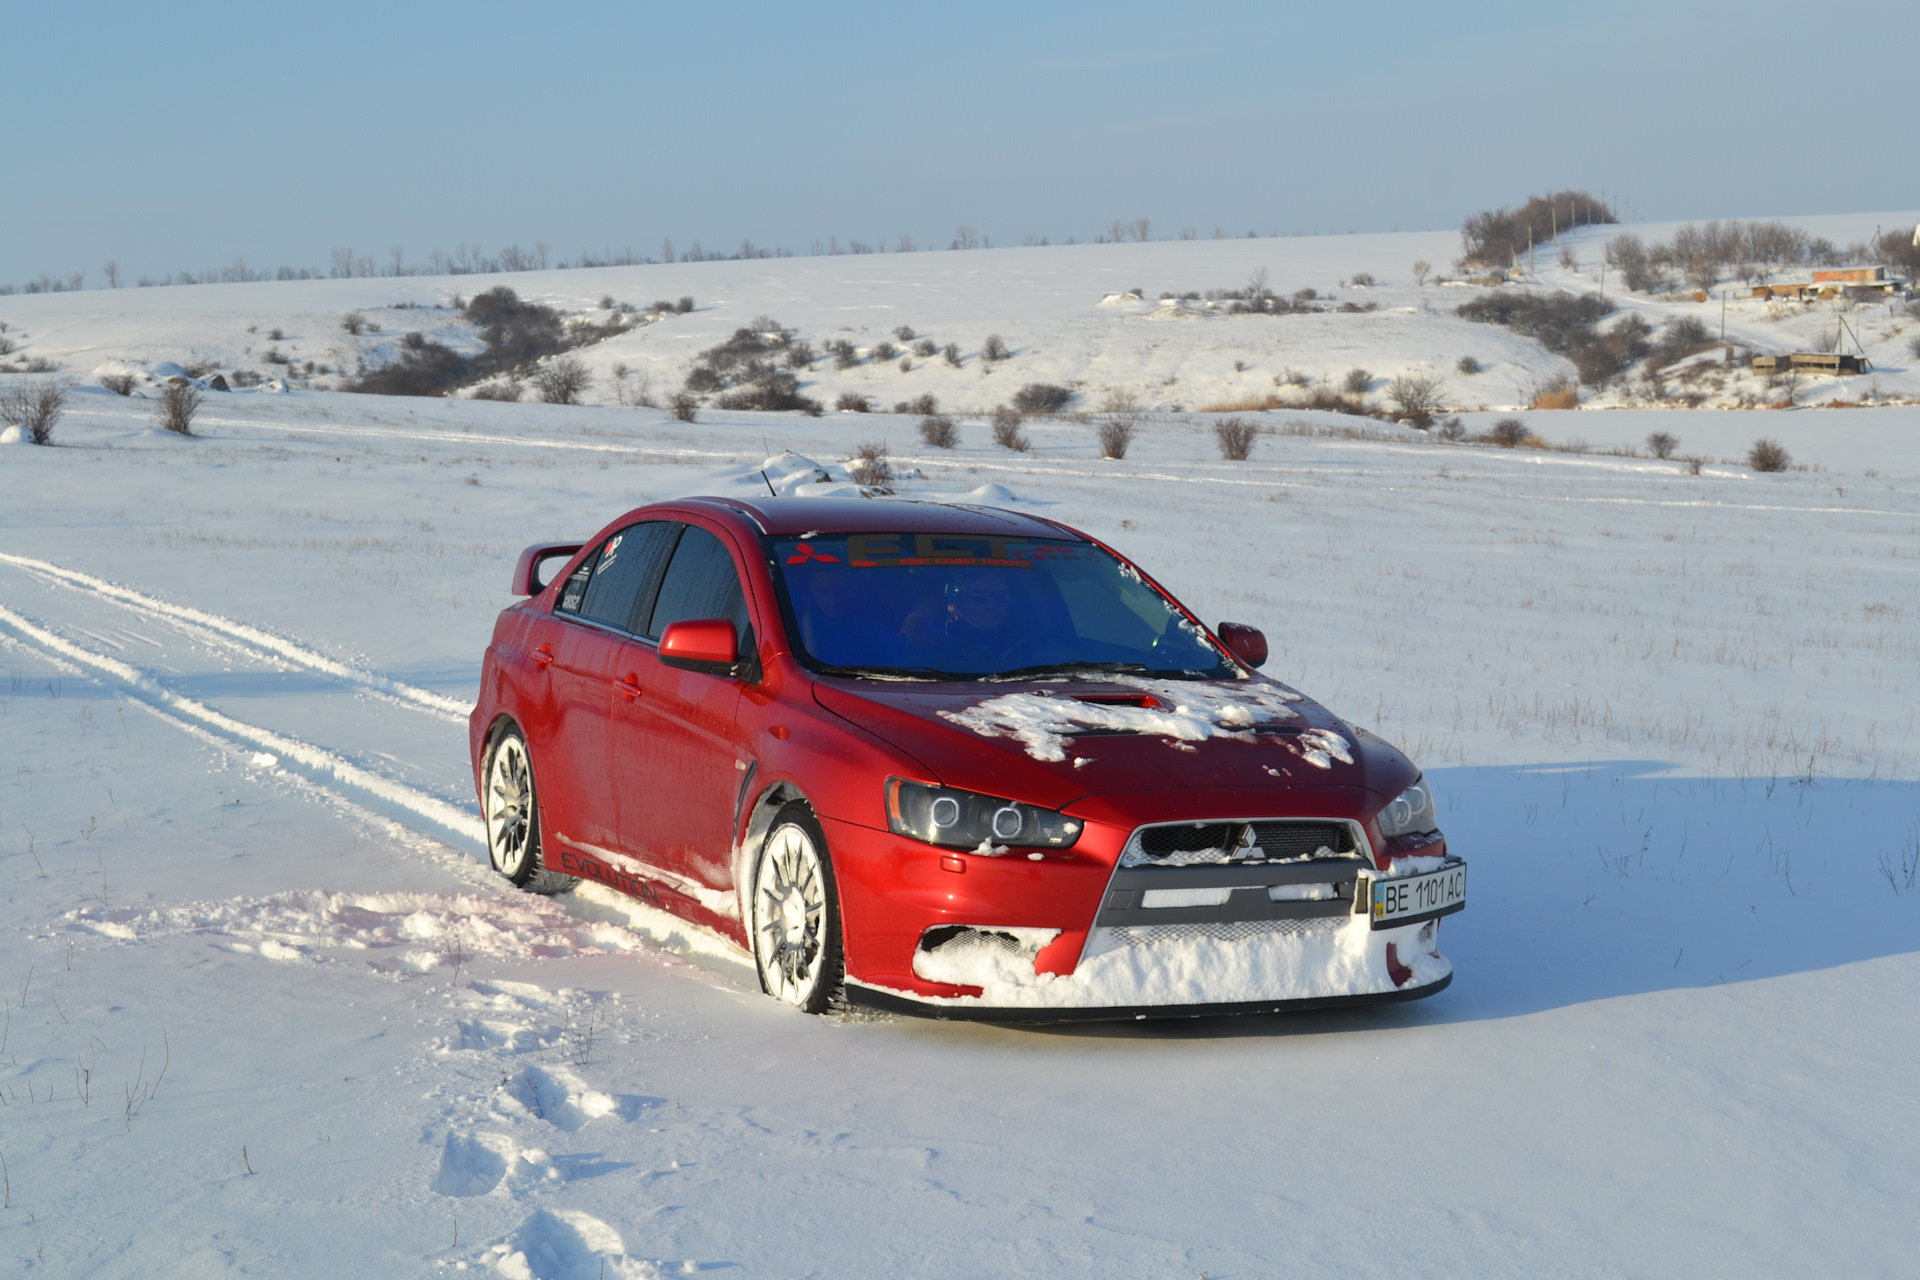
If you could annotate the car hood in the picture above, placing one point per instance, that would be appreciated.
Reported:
(1052, 743)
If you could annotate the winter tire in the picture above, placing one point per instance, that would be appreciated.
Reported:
(512, 812)
(796, 914)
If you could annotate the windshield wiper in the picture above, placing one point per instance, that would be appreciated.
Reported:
(1068, 668)
(895, 673)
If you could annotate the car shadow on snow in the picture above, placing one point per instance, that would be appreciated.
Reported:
(1589, 881)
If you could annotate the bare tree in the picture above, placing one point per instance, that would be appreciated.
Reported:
(1140, 228)
(112, 272)
(1257, 290)
(563, 381)
(176, 407)
(686, 405)
(1768, 455)
(1662, 445)
(1421, 270)
(34, 407)
(1416, 396)
(1236, 437)
(993, 349)
(343, 263)
(1006, 430)
(399, 259)
(965, 237)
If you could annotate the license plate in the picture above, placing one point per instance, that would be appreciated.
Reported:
(1408, 899)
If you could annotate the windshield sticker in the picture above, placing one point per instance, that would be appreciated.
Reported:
(901, 551)
(808, 552)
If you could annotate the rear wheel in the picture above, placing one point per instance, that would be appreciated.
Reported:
(796, 914)
(512, 812)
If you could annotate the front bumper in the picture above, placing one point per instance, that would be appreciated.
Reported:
(1051, 938)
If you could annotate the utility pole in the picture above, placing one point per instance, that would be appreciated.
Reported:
(1723, 315)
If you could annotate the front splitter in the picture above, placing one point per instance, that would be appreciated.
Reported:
(890, 1001)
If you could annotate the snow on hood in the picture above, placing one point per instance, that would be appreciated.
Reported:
(1188, 711)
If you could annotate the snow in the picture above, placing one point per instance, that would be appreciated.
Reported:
(1185, 711)
(267, 1010)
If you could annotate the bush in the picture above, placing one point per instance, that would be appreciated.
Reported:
(925, 348)
(799, 356)
(853, 402)
(993, 349)
(34, 407)
(938, 430)
(1768, 455)
(1453, 429)
(1679, 339)
(177, 405)
(1041, 397)
(1564, 324)
(1116, 435)
(775, 391)
(1006, 431)
(1467, 366)
(427, 370)
(1638, 269)
(1508, 433)
(686, 406)
(662, 307)
(870, 463)
(1235, 437)
(508, 391)
(1416, 396)
(121, 384)
(951, 354)
(922, 405)
(844, 356)
(1357, 381)
(884, 351)
(906, 364)
(683, 307)
(354, 323)
(904, 333)
(1362, 280)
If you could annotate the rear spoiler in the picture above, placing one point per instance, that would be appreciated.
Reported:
(526, 574)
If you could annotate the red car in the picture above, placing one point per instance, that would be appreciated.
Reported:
(950, 759)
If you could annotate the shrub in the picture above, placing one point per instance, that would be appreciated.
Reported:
(1006, 430)
(870, 463)
(884, 351)
(906, 364)
(844, 356)
(1913, 348)
(1508, 433)
(178, 403)
(1639, 271)
(354, 323)
(121, 384)
(276, 335)
(1357, 381)
(1116, 435)
(853, 402)
(273, 355)
(1564, 324)
(1768, 455)
(938, 430)
(993, 349)
(704, 381)
(922, 405)
(1467, 366)
(685, 405)
(1041, 397)
(683, 307)
(1662, 445)
(606, 302)
(1421, 270)
(427, 370)
(662, 307)
(35, 407)
(799, 356)
(926, 349)
(1557, 394)
(1235, 437)
(1416, 396)
(904, 333)
(1453, 429)
(951, 354)
(1679, 339)
(508, 391)
(774, 391)
(1363, 280)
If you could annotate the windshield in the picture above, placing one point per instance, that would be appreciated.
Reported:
(941, 606)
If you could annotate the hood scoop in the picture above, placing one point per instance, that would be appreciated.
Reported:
(1145, 701)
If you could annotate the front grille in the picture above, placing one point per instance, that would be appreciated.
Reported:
(1145, 937)
(1190, 844)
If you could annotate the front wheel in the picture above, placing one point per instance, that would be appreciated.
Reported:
(512, 812)
(796, 914)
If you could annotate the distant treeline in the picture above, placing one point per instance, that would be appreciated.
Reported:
(1498, 237)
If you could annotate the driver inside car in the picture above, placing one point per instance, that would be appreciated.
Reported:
(969, 625)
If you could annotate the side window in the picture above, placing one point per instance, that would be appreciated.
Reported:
(701, 583)
(623, 576)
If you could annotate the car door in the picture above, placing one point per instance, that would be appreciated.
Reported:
(595, 614)
(677, 748)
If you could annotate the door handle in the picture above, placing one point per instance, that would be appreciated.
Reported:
(542, 656)
(630, 686)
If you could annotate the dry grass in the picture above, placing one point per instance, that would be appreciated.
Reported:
(1561, 396)
(1253, 402)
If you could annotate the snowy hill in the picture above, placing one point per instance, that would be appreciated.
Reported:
(267, 1011)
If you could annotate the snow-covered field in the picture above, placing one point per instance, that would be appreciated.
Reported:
(267, 1012)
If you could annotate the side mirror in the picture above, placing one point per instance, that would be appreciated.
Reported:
(526, 573)
(700, 644)
(1249, 644)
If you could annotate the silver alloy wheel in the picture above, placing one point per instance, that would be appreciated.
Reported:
(510, 808)
(791, 938)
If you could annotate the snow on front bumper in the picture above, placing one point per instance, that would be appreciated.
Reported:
(1176, 968)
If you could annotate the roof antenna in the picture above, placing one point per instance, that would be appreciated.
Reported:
(770, 489)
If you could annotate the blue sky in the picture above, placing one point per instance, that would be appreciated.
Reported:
(182, 137)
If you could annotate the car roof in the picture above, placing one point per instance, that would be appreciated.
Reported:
(789, 516)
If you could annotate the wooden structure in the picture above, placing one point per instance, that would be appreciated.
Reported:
(1811, 362)
(1833, 283)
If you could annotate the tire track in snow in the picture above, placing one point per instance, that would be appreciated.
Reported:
(242, 634)
(318, 763)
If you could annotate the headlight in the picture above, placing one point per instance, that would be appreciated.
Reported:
(1411, 812)
(966, 819)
